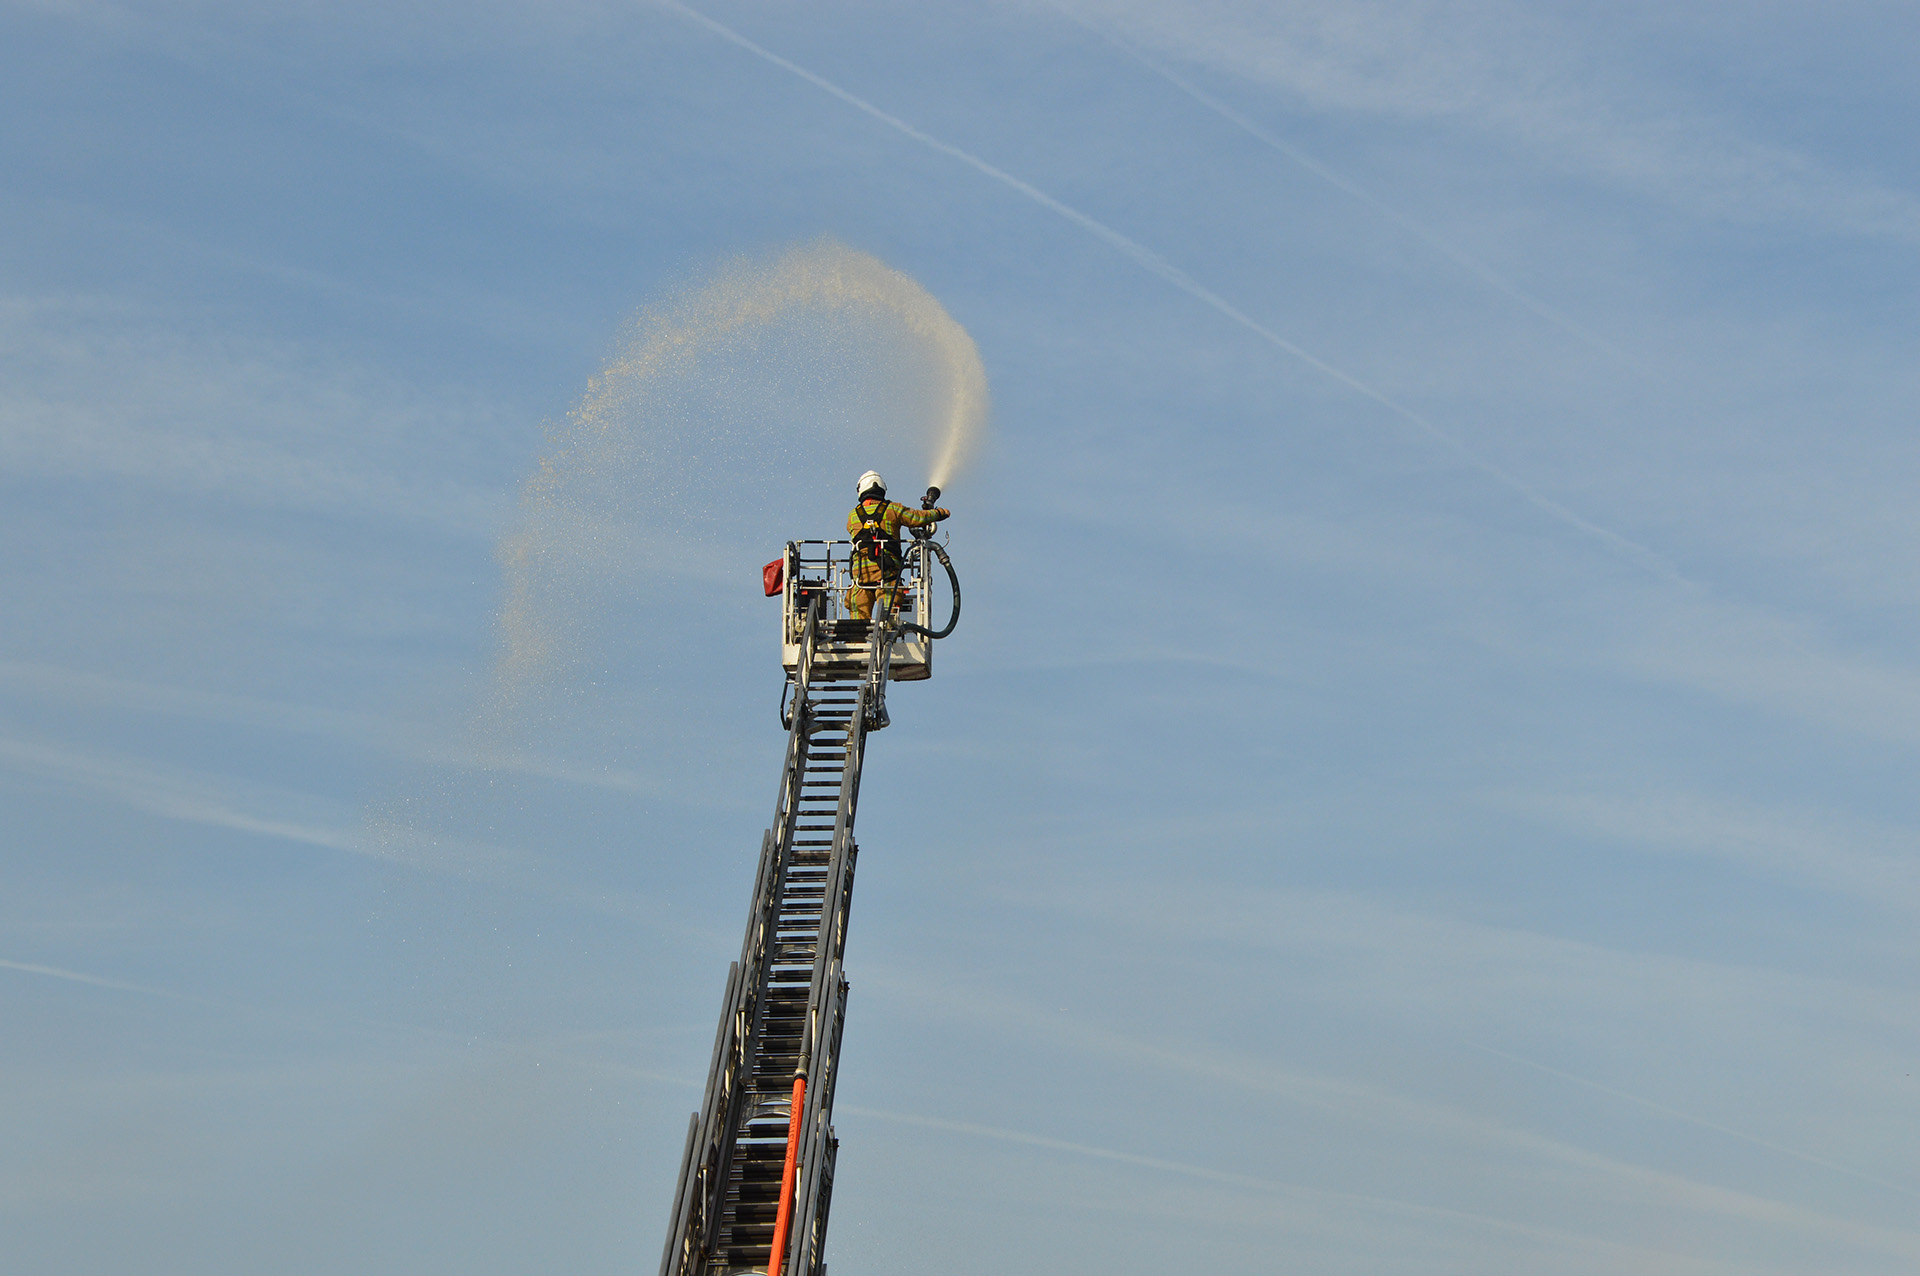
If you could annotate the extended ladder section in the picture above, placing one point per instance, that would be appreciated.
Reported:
(786, 995)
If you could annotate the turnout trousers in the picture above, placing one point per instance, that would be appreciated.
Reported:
(870, 582)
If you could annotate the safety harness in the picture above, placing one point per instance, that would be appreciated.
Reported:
(872, 541)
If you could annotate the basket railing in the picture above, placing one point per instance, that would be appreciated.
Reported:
(826, 568)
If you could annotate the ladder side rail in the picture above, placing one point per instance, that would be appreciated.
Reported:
(765, 878)
(820, 1195)
(816, 1136)
(829, 1046)
(817, 1236)
(818, 1118)
(824, 1062)
(693, 1196)
(676, 1226)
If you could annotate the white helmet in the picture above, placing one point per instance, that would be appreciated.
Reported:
(868, 482)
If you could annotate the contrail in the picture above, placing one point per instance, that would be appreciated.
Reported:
(1472, 265)
(75, 976)
(171, 796)
(1154, 263)
(119, 985)
(1690, 1119)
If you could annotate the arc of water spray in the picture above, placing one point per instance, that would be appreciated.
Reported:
(1156, 264)
(671, 338)
(823, 273)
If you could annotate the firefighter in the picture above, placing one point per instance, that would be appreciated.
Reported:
(875, 525)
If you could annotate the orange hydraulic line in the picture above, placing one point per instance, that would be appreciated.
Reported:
(784, 1219)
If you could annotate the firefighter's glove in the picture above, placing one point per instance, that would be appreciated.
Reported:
(940, 515)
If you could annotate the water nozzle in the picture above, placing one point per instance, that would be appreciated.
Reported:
(932, 498)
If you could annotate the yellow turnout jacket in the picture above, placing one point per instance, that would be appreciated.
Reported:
(875, 527)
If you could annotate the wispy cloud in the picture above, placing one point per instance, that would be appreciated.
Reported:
(97, 388)
(67, 686)
(1520, 74)
(176, 795)
(1552, 1238)
(412, 741)
(406, 829)
(1302, 159)
(1746, 654)
(190, 797)
(74, 976)
(1842, 854)
(1437, 968)
(1691, 1119)
(1501, 1152)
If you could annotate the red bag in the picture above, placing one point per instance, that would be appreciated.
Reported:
(774, 577)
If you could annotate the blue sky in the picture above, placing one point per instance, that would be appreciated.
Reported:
(1423, 783)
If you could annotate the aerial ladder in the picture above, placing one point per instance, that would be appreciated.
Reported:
(757, 1174)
